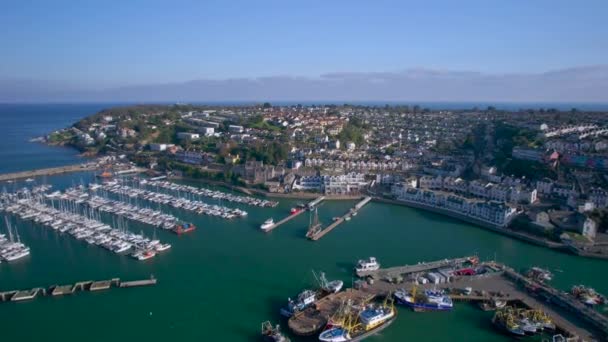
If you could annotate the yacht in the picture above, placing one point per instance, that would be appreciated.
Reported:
(267, 224)
(367, 265)
(162, 247)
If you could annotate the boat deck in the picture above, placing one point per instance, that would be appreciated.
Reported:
(313, 319)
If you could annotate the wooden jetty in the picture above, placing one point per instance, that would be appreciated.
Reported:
(310, 205)
(352, 211)
(60, 290)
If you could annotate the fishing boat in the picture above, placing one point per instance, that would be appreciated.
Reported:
(428, 300)
(587, 295)
(273, 334)
(369, 321)
(183, 228)
(305, 299)
(371, 264)
(295, 210)
(328, 286)
(505, 322)
(539, 274)
(267, 224)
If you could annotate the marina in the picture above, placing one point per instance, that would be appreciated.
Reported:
(202, 192)
(62, 290)
(82, 225)
(195, 206)
(129, 211)
(316, 232)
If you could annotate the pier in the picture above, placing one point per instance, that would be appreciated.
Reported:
(47, 172)
(408, 269)
(296, 214)
(350, 213)
(489, 283)
(497, 281)
(61, 290)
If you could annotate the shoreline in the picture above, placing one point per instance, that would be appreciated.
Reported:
(503, 231)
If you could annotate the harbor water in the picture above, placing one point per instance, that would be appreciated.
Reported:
(221, 281)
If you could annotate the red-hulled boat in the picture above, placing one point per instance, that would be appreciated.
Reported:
(183, 228)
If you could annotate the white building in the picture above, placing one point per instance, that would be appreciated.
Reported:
(188, 136)
(158, 147)
(235, 129)
(207, 131)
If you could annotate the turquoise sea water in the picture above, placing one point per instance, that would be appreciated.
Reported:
(220, 282)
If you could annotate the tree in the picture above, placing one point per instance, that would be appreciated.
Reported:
(266, 105)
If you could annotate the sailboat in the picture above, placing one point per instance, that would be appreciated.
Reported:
(314, 225)
(13, 250)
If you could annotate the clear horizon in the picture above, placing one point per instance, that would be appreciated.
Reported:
(472, 50)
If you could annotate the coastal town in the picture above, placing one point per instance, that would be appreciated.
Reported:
(536, 175)
(541, 180)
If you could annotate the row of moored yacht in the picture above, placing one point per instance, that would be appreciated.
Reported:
(84, 228)
(132, 212)
(209, 193)
(181, 203)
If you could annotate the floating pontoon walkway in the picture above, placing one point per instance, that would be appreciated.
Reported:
(310, 205)
(352, 211)
(60, 290)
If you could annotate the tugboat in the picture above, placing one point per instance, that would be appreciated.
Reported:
(367, 265)
(180, 229)
(267, 224)
(273, 334)
(305, 299)
(353, 327)
(429, 300)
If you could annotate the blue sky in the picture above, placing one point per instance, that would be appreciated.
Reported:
(113, 43)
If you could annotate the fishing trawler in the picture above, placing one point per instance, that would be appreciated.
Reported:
(352, 325)
(314, 225)
(328, 286)
(305, 299)
(273, 334)
(429, 300)
(539, 274)
(505, 322)
(587, 295)
(267, 224)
